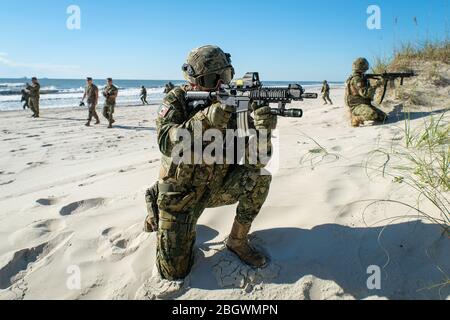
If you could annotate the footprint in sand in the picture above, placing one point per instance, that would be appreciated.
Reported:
(337, 149)
(46, 145)
(47, 201)
(18, 150)
(81, 206)
(6, 183)
(116, 244)
(14, 265)
(35, 164)
(35, 231)
(127, 170)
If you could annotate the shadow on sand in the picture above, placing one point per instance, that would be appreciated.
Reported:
(135, 128)
(413, 257)
(399, 114)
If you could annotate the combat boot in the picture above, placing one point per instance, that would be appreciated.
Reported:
(238, 244)
(88, 124)
(357, 121)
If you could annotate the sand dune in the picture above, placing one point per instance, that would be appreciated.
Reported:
(72, 198)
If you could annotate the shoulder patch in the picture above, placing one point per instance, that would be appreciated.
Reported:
(164, 110)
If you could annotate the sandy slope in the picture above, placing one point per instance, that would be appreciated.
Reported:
(71, 196)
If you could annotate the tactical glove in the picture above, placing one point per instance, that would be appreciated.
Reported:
(264, 119)
(218, 115)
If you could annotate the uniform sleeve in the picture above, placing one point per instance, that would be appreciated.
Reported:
(363, 88)
(172, 117)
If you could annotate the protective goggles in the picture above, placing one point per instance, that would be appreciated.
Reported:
(211, 80)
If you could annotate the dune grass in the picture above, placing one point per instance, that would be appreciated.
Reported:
(431, 51)
(422, 162)
(408, 53)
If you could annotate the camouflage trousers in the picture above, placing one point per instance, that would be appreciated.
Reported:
(326, 98)
(93, 112)
(179, 213)
(34, 106)
(108, 112)
(368, 113)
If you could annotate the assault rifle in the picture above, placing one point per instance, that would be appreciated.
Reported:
(242, 93)
(387, 77)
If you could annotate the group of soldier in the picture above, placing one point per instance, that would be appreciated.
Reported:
(110, 93)
(183, 191)
(31, 97)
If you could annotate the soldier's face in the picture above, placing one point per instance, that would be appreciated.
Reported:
(109, 82)
(89, 82)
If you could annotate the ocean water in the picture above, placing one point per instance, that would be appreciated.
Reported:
(66, 93)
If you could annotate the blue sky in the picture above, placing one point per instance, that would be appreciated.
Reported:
(142, 39)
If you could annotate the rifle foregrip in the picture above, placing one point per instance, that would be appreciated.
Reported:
(288, 113)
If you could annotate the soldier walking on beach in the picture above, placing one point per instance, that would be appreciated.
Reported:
(33, 91)
(326, 92)
(25, 99)
(169, 87)
(359, 94)
(91, 93)
(144, 95)
(184, 190)
(110, 93)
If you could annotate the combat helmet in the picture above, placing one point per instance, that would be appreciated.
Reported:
(361, 65)
(207, 65)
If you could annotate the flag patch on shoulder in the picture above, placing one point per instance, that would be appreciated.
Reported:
(163, 111)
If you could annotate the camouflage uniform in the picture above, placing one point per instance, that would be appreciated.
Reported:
(34, 96)
(25, 99)
(326, 93)
(169, 87)
(359, 95)
(144, 96)
(185, 191)
(91, 92)
(110, 93)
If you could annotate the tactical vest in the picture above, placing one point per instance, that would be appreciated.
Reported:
(352, 98)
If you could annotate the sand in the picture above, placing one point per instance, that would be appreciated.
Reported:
(72, 208)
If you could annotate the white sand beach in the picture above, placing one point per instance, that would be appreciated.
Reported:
(72, 198)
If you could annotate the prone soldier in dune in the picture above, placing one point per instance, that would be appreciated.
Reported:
(33, 91)
(110, 93)
(91, 93)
